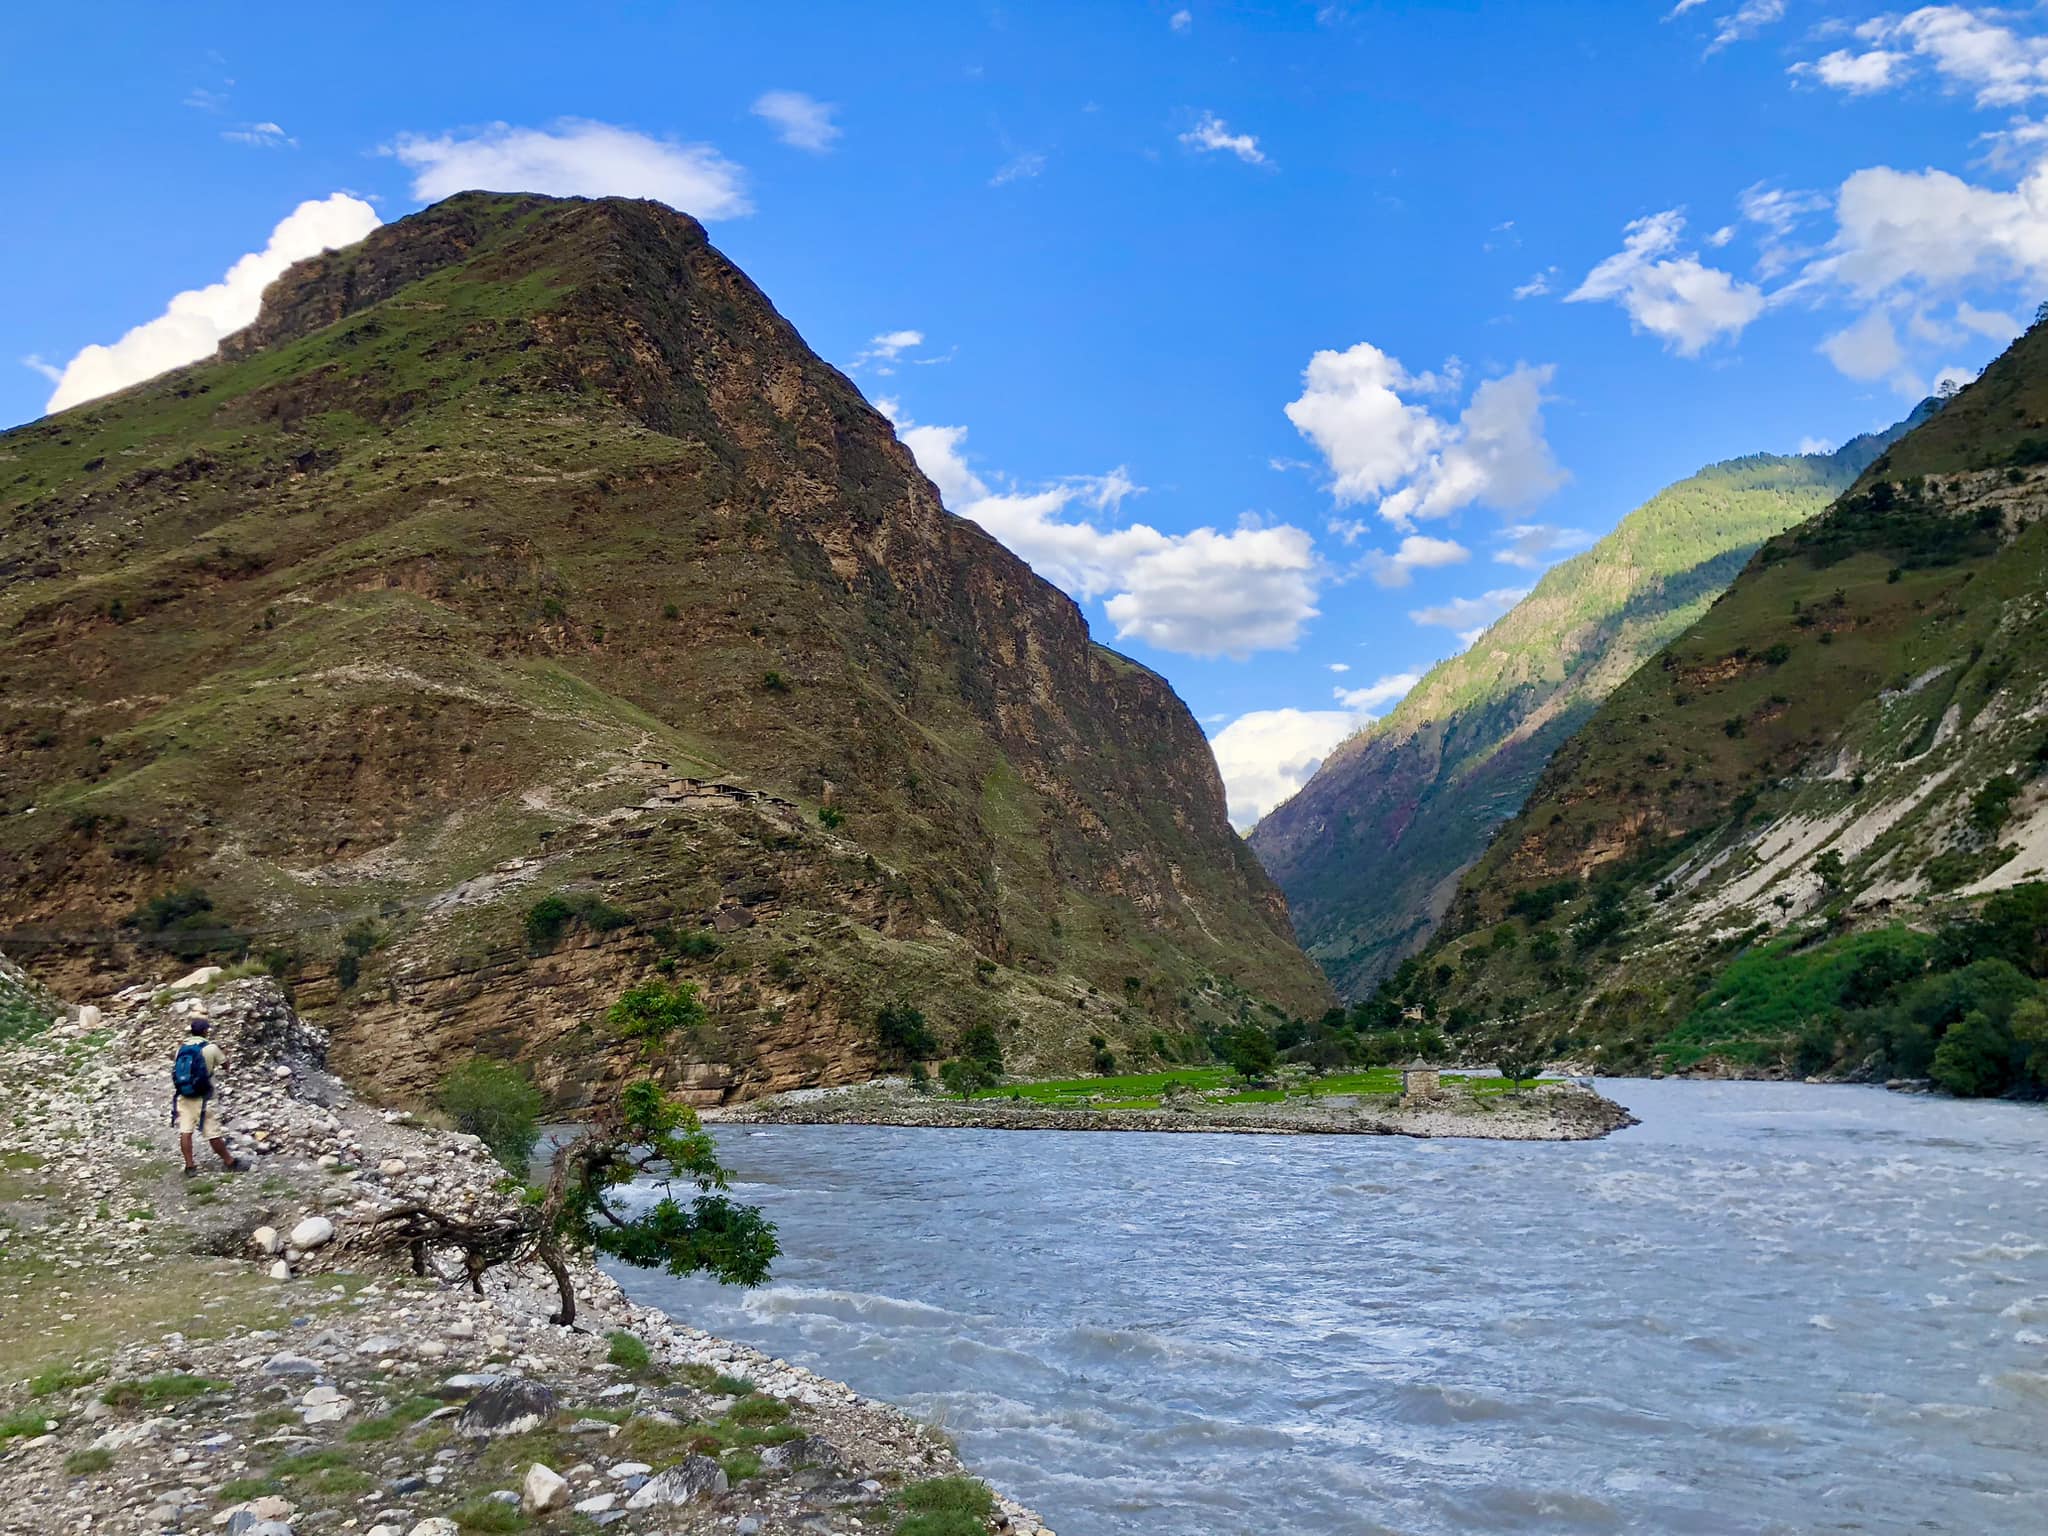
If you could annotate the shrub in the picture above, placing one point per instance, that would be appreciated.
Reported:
(774, 682)
(85, 1463)
(697, 944)
(628, 1352)
(1974, 1059)
(1991, 806)
(1104, 1058)
(831, 817)
(903, 1035)
(491, 1516)
(1539, 902)
(946, 1506)
(966, 1076)
(497, 1103)
(183, 920)
(548, 918)
(978, 1042)
(653, 1010)
(62, 1378)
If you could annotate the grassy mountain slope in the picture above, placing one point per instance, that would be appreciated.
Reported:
(1370, 850)
(1850, 738)
(521, 550)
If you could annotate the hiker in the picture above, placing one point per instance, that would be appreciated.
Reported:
(192, 1084)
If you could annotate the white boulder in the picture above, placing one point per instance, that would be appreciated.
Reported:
(544, 1489)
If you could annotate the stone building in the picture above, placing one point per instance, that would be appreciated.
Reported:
(1418, 1078)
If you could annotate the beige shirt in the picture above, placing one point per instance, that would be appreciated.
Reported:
(215, 1057)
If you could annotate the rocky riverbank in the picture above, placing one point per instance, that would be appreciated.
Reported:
(1541, 1112)
(236, 1352)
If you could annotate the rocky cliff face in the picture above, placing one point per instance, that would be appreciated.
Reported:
(1370, 850)
(524, 551)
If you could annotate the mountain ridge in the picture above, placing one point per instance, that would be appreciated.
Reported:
(1827, 790)
(1370, 850)
(525, 550)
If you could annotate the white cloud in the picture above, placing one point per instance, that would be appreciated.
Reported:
(1667, 292)
(1180, 21)
(1858, 74)
(1340, 666)
(2015, 146)
(1211, 135)
(1932, 230)
(1268, 754)
(1351, 409)
(802, 122)
(1993, 325)
(260, 136)
(575, 158)
(1201, 593)
(1387, 690)
(1814, 445)
(1778, 212)
(1969, 49)
(1018, 168)
(200, 98)
(1868, 349)
(1537, 286)
(47, 369)
(194, 322)
(1379, 445)
(884, 351)
(1470, 615)
(1531, 546)
(1416, 553)
(1745, 21)
(1497, 455)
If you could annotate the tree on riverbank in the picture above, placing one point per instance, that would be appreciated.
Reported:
(1250, 1052)
(643, 1133)
(1521, 1061)
(966, 1076)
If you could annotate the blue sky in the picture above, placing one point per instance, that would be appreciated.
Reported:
(1293, 340)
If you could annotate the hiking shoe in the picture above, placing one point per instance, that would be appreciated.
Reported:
(191, 1172)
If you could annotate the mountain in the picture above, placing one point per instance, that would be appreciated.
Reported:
(1369, 851)
(1802, 804)
(518, 611)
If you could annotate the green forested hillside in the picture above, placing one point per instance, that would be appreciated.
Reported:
(1369, 851)
(1849, 742)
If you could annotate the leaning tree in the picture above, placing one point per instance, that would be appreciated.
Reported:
(644, 1133)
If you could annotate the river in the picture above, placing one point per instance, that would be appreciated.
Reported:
(1770, 1308)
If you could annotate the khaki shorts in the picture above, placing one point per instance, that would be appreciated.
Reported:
(197, 1116)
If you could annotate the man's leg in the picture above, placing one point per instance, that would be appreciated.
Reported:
(185, 1147)
(220, 1150)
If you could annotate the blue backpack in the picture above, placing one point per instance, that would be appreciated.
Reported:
(190, 1075)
